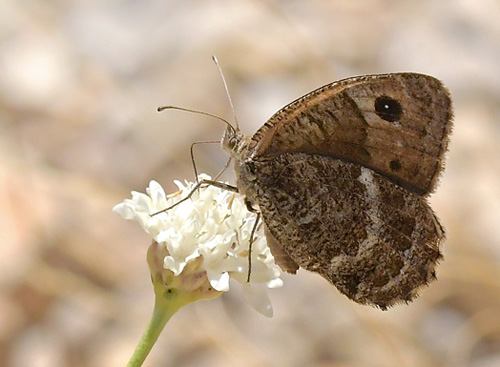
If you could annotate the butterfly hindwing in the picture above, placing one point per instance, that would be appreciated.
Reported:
(375, 241)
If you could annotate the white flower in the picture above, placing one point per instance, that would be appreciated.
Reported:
(213, 227)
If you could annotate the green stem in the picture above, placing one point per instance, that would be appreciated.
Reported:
(171, 293)
(167, 303)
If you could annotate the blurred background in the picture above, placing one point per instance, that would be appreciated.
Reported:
(80, 82)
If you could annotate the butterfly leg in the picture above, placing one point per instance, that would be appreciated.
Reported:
(191, 152)
(193, 160)
(252, 234)
(250, 207)
(220, 185)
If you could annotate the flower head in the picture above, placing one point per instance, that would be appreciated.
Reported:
(207, 235)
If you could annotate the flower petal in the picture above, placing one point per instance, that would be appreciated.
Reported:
(257, 298)
(219, 281)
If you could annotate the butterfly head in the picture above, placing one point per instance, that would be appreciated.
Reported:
(234, 142)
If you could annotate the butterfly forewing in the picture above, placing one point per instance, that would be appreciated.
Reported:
(395, 124)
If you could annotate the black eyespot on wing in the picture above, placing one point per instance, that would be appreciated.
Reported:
(388, 108)
(395, 165)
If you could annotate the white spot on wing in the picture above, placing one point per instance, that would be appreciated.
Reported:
(366, 178)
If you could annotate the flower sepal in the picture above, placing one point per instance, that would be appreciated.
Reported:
(189, 286)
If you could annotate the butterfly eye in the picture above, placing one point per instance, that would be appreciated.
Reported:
(388, 109)
(233, 142)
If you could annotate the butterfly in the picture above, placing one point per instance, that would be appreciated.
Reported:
(342, 176)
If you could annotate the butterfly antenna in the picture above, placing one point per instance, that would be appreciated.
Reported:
(227, 91)
(163, 108)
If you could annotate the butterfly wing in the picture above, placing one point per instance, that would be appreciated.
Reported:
(376, 242)
(395, 124)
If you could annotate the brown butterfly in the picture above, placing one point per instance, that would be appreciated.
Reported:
(341, 177)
